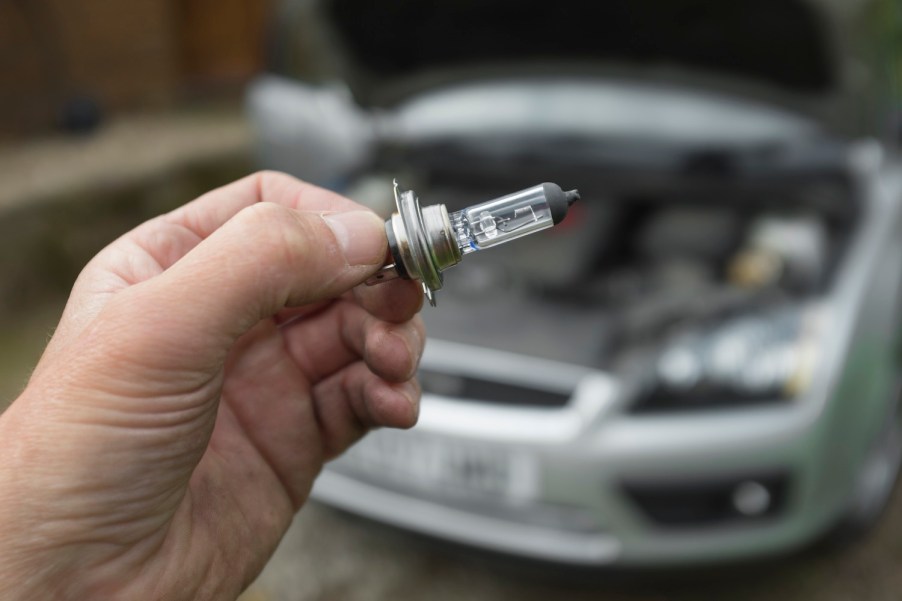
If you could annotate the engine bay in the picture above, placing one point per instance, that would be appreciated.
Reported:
(628, 271)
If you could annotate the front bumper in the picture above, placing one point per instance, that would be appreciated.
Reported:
(552, 483)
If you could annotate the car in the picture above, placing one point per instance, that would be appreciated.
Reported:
(701, 363)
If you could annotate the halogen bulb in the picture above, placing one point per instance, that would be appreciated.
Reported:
(423, 242)
(509, 217)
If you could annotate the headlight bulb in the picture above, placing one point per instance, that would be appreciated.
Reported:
(425, 241)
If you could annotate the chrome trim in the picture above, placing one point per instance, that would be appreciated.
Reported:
(503, 366)
(592, 394)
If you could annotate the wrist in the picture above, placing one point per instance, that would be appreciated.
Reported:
(33, 565)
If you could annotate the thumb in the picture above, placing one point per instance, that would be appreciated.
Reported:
(267, 257)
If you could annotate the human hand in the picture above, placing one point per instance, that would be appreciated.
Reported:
(206, 365)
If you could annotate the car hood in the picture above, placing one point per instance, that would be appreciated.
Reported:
(827, 60)
(639, 114)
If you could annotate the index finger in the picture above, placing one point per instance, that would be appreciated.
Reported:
(209, 212)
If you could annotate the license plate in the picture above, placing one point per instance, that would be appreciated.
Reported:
(433, 464)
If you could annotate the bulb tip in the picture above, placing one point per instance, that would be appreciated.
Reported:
(558, 200)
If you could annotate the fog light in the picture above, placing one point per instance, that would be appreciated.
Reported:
(688, 502)
(751, 499)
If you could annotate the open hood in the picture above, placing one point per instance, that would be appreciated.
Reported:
(829, 60)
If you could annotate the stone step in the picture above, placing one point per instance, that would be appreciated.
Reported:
(63, 199)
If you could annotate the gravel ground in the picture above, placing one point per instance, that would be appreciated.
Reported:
(329, 556)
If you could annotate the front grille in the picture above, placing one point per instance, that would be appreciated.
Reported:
(471, 388)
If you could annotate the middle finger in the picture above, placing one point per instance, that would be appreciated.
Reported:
(344, 333)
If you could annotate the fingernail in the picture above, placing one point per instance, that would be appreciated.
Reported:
(410, 353)
(360, 236)
(412, 393)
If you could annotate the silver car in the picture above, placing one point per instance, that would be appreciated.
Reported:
(701, 363)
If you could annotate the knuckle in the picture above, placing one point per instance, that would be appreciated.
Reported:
(261, 214)
(266, 179)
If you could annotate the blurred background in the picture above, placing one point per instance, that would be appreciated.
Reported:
(699, 366)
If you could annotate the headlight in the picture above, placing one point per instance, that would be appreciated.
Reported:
(754, 358)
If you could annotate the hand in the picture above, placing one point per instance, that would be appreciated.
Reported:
(205, 367)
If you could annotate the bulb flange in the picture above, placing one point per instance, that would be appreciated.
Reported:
(421, 242)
